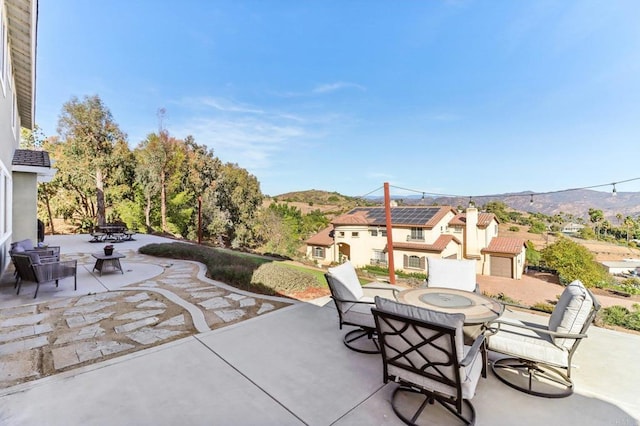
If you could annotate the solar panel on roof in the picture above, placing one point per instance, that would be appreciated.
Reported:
(399, 215)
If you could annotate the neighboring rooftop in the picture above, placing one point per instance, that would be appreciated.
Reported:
(28, 157)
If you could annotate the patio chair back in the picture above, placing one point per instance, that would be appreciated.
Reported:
(29, 269)
(423, 349)
(451, 273)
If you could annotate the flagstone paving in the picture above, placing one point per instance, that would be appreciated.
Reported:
(45, 338)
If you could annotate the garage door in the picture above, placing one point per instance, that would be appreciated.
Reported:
(501, 266)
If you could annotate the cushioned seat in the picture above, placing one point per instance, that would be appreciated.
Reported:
(354, 307)
(538, 357)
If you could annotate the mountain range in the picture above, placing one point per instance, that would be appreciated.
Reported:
(575, 202)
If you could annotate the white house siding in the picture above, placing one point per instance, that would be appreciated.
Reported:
(9, 139)
(10, 114)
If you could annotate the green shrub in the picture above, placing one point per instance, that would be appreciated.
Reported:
(573, 261)
(381, 270)
(514, 228)
(240, 270)
(621, 316)
(537, 227)
(282, 279)
(543, 307)
(235, 269)
(503, 298)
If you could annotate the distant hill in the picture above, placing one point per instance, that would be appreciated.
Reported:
(576, 202)
(315, 198)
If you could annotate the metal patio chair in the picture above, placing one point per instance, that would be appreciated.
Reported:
(538, 357)
(354, 307)
(423, 351)
(28, 270)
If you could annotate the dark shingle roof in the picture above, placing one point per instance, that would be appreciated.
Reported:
(27, 157)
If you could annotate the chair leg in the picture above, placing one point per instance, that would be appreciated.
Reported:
(358, 334)
(405, 400)
(37, 288)
(533, 378)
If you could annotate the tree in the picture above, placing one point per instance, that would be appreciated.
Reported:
(238, 198)
(89, 134)
(159, 158)
(573, 261)
(596, 217)
(499, 209)
(32, 139)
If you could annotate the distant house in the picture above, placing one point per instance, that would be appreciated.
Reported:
(572, 228)
(418, 233)
(616, 267)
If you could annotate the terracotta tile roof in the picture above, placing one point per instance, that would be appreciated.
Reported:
(357, 218)
(27, 157)
(438, 246)
(484, 219)
(505, 245)
(322, 238)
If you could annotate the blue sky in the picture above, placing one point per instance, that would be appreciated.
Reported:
(455, 97)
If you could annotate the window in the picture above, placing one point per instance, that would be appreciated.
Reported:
(341, 234)
(417, 234)
(373, 232)
(413, 262)
(354, 234)
(383, 233)
(378, 257)
(318, 252)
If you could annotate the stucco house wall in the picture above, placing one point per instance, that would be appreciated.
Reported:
(18, 20)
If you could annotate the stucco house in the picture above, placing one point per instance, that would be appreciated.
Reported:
(572, 228)
(417, 233)
(20, 170)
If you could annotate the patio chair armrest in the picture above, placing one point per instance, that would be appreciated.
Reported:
(353, 301)
(473, 352)
(394, 290)
(55, 270)
(541, 330)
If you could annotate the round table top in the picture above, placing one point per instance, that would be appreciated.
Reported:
(477, 308)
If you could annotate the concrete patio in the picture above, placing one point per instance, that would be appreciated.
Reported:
(288, 367)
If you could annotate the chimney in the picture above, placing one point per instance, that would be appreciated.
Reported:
(471, 244)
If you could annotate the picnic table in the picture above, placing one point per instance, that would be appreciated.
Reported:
(111, 233)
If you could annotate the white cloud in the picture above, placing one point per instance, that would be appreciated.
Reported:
(251, 136)
(332, 87)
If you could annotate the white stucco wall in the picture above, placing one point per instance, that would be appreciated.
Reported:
(25, 206)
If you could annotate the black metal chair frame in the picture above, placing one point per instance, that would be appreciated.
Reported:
(362, 331)
(535, 370)
(47, 255)
(43, 272)
(433, 370)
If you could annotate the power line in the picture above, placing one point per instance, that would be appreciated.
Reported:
(523, 194)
